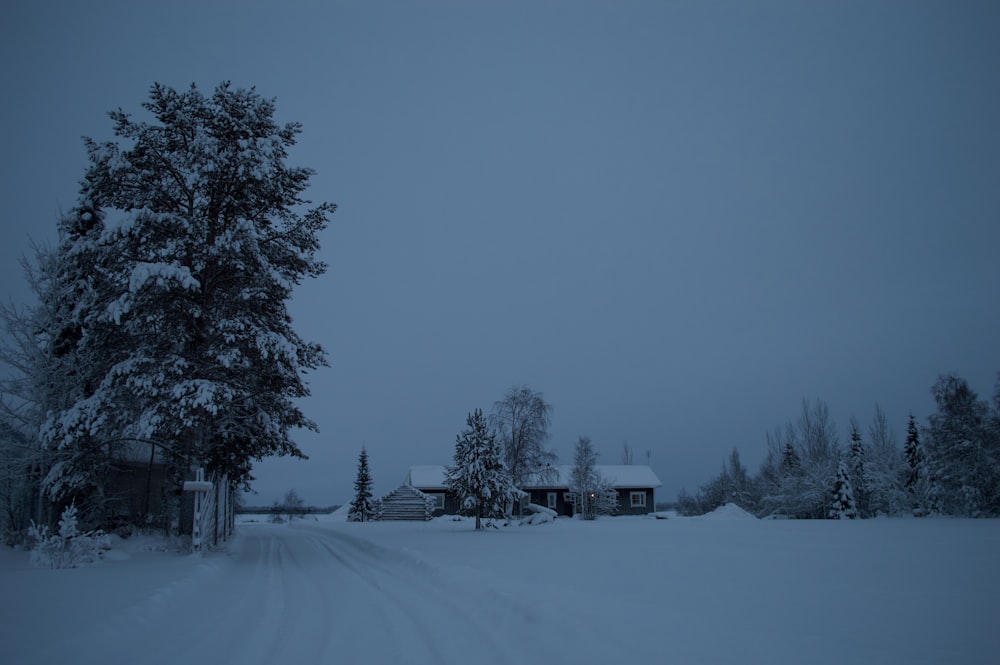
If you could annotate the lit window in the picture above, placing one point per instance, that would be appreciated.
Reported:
(638, 499)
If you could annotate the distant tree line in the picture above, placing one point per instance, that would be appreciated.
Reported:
(949, 466)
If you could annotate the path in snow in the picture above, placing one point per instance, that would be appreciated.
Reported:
(305, 594)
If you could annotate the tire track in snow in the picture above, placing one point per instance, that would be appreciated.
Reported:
(476, 618)
(307, 594)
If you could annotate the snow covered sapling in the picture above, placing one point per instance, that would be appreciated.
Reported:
(478, 477)
(69, 547)
(363, 508)
(592, 494)
(293, 505)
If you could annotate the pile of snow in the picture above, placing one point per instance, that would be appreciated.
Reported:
(540, 514)
(730, 511)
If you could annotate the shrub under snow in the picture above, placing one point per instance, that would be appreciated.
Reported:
(69, 547)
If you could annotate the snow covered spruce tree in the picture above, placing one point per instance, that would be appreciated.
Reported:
(857, 469)
(195, 233)
(479, 477)
(914, 455)
(363, 508)
(843, 506)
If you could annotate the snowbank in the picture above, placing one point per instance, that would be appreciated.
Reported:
(730, 511)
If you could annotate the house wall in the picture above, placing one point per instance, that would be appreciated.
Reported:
(451, 505)
(541, 497)
(563, 507)
(625, 502)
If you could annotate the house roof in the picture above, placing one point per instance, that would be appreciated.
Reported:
(621, 476)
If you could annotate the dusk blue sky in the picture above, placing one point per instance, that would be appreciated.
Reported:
(676, 220)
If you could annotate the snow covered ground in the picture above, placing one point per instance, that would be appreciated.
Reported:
(724, 588)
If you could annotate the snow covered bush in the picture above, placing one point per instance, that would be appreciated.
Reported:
(69, 547)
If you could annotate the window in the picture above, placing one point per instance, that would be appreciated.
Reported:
(638, 499)
(553, 498)
(438, 501)
(568, 497)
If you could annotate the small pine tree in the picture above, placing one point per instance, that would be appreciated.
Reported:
(790, 462)
(856, 469)
(478, 476)
(363, 507)
(844, 506)
(914, 456)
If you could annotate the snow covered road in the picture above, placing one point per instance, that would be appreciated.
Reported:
(307, 594)
(621, 590)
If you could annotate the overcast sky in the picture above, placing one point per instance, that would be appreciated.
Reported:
(676, 220)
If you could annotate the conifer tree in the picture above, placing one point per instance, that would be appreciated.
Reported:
(844, 506)
(363, 508)
(790, 462)
(479, 477)
(187, 242)
(856, 468)
(914, 455)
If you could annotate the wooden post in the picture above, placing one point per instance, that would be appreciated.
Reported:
(199, 486)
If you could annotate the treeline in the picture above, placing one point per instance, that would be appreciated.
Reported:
(948, 466)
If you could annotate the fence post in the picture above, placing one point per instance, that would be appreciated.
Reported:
(199, 486)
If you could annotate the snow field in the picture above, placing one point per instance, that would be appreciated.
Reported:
(720, 589)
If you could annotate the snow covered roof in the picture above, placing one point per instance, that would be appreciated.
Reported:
(622, 476)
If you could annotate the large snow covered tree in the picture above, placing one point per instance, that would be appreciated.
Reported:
(478, 477)
(363, 508)
(963, 451)
(188, 239)
(521, 420)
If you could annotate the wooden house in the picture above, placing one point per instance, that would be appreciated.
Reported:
(635, 485)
